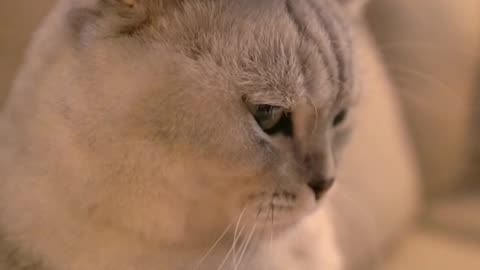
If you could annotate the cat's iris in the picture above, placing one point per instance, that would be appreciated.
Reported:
(272, 119)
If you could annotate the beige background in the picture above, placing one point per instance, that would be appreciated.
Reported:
(431, 49)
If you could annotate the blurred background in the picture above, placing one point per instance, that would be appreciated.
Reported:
(431, 49)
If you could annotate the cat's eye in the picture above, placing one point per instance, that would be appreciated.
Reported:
(267, 116)
(340, 118)
(272, 119)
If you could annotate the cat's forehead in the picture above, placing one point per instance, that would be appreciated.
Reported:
(265, 52)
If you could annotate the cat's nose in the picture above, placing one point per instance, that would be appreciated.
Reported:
(320, 185)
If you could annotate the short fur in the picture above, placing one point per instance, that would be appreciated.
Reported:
(127, 142)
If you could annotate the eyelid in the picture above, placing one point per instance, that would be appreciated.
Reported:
(252, 104)
(267, 100)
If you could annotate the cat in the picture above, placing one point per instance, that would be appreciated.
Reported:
(178, 134)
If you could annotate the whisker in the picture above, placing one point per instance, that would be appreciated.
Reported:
(422, 75)
(272, 207)
(315, 108)
(271, 237)
(250, 254)
(420, 46)
(245, 246)
(204, 257)
(369, 227)
(235, 236)
(235, 239)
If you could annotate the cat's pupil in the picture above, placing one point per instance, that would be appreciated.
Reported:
(340, 118)
(267, 115)
(273, 119)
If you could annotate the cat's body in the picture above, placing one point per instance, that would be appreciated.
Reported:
(127, 142)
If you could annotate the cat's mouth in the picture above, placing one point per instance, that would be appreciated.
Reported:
(281, 209)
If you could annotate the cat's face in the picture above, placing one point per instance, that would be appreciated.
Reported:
(211, 114)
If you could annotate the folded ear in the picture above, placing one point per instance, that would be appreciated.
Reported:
(116, 17)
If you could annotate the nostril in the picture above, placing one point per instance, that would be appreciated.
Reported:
(320, 186)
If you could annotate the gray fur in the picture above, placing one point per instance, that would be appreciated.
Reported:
(126, 141)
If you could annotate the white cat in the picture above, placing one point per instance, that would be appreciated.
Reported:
(169, 134)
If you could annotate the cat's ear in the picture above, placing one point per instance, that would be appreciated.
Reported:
(116, 17)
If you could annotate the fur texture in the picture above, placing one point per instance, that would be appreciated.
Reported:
(127, 142)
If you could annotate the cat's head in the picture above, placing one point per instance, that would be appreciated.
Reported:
(190, 116)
